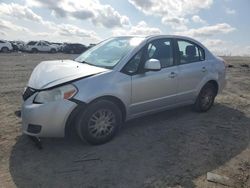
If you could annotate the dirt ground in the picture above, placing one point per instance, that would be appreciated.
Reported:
(175, 148)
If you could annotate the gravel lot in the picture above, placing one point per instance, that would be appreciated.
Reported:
(174, 148)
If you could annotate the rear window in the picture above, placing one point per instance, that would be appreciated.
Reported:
(190, 52)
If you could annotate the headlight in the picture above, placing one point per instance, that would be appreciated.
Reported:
(63, 92)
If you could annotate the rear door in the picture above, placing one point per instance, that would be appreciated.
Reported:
(45, 47)
(192, 69)
(154, 90)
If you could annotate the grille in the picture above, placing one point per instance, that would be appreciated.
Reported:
(28, 93)
(34, 128)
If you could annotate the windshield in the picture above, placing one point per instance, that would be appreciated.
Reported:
(109, 52)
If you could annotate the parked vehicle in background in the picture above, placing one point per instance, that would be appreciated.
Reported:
(21, 45)
(59, 46)
(74, 48)
(117, 80)
(91, 45)
(15, 46)
(5, 46)
(40, 46)
(54, 44)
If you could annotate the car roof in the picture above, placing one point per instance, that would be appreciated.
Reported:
(150, 37)
(156, 36)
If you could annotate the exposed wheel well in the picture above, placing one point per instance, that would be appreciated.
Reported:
(215, 84)
(5, 47)
(70, 128)
(115, 100)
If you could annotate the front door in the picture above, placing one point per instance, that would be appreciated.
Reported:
(155, 90)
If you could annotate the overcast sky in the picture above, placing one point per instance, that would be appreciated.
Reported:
(222, 25)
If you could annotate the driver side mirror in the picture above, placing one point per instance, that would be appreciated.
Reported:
(152, 65)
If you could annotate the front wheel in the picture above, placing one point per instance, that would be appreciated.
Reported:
(5, 50)
(34, 50)
(205, 99)
(100, 122)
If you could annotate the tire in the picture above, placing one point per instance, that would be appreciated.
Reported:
(92, 125)
(5, 49)
(205, 99)
(34, 50)
(53, 50)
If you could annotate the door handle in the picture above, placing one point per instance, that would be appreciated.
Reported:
(204, 69)
(172, 75)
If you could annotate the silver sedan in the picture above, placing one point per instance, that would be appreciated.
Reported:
(117, 80)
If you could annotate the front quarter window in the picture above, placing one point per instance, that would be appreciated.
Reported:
(108, 53)
(132, 66)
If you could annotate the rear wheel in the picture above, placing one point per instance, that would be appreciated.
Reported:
(100, 122)
(205, 100)
(5, 49)
(34, 50)
(53, 50)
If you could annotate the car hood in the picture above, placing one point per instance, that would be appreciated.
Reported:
(51, 73)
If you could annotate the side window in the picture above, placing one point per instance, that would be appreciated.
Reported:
(161, 49)
(1, 41)
(31, 43)
(43, 44)
(132, 66)
(39, 44)
(189, 52)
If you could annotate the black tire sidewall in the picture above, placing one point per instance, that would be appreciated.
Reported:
(5, 49)
(198, 105)
(82, 125)
(53, 50)
(34, 50)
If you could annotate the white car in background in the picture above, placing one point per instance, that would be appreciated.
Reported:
(5, 46)
(40, 46)
(20, 45)
(57, 45)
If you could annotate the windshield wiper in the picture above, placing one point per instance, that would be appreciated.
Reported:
(86, 62)
(83, 62)
(106, 67)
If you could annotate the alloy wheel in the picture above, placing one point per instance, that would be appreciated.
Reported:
(207, 98)
(101, 123)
